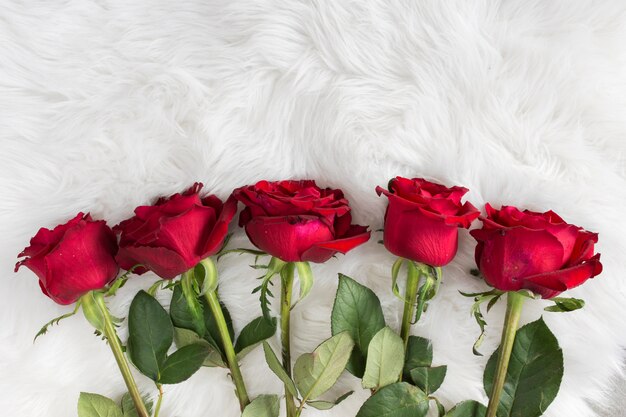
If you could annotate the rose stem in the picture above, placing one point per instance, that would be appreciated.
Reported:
(412, 281)
(158, 404)
(116, 348)
(229, 350)
(511, 321)
(286, 275)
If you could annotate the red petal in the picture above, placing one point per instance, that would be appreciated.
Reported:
(321, 252)
(416, 234)
(220, 229)
(187, 233)
(551, 284)
(287, 238)
(82, 261)
(164, 262)
(510, 255)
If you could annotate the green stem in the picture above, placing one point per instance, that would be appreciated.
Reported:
(118, 353)
(159, 400)
(286, 275)
(515, 302)
(412, 282)
(229, 349)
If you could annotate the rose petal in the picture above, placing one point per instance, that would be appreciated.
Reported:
(287, 238)
(509, 255)
(323, 251)
(220, 229)
(417, 234)
(82, 261)
(553, 283)
(164, 262)
(186, 233)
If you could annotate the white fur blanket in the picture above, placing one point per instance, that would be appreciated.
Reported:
(106, 104)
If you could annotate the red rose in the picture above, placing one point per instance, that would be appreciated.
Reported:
(298, 221)
(535, 251)
(422, 218)
(72, 259)
(174, 234)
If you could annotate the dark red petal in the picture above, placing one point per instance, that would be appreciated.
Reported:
(214, 202)
(323, 251)
(287, 238)
(510, 255)
(220, 229)
(164, 262)
(187, 233)
(567, 234)
(465, 216)
(418, 235)
(82, 261)
(583, 248)
(551, 284)
(45, 239)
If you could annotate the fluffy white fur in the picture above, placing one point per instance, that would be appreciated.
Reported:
(105, 105)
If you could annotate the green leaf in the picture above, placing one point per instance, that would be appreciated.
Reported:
(56, 320)
(95, 405)
(92, 311)
(428, 379)
(385, 359)
(184, 337)
(479, 298)
(277, 368)
(396, 400)
(534, 373)
(194, 306)
(395, 270)
(356, 310)
(182, 317)
(150, 334)
(316, 372)
(254, 333)
(206, 274)
(327, 405)
(179, 310)
(183, 363)
(128, 406)
(419, 353)
(564, 305)
(305, 276)
(263, 406)
(469, 408)
(273, 268)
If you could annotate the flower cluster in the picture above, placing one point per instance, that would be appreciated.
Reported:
(518, 253)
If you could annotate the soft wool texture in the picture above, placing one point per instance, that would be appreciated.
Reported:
(105, 105)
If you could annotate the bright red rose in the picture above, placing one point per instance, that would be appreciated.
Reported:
(174, 234)
(422, 218)
(72, 259)
(535, 251)
(298, 221)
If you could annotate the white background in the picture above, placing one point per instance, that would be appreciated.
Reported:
(105, 105)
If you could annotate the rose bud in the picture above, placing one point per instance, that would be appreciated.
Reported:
(296, 221)
(175, 234)
(72, 259)
(535, 251)
(422, 218)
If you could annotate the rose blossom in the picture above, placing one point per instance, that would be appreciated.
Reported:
(72, 259)
(298, 221)
(175, 234)
(535, 251)
(422, 219)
